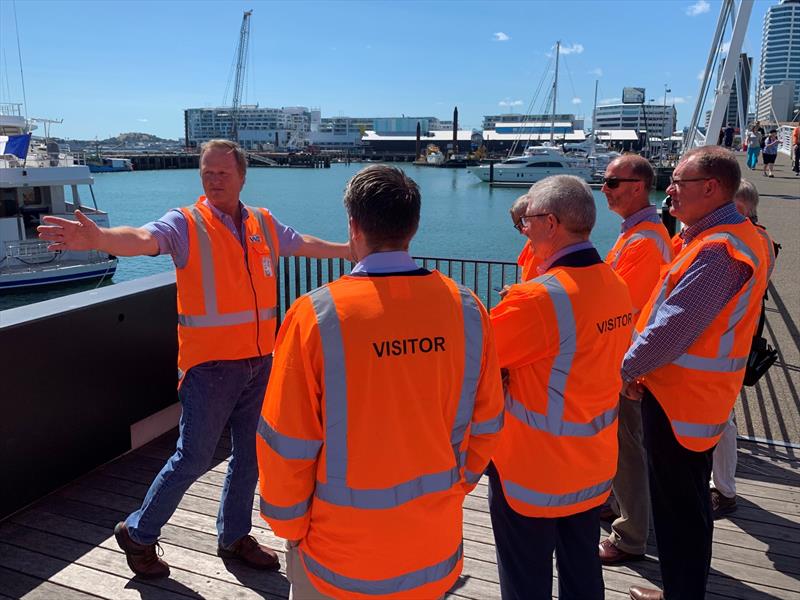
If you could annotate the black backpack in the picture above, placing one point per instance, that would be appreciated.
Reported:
(762, 355)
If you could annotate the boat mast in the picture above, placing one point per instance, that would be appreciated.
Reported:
(594, 118)
(555, 90)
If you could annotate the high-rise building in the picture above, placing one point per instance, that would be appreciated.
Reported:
(780, 48)
(741, 81)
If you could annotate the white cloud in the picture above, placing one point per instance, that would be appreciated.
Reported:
(725, 47)
(678, 99)
(576, 100)
(142, 120)
(573, 49)
(501, 37)
(610, 101)
(698, 8)
(508, 102)
(597, 72)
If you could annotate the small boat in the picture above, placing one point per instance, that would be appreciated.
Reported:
(434, 156)
(38, 180)
(100, 164)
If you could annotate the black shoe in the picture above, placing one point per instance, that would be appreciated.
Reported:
(721, 505)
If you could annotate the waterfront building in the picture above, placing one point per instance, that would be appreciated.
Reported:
(491, 121)
(404, 145)
(776, 103)
(260, 128)
(506, 136)
(345, 133)
(656, 119)
(780, 49)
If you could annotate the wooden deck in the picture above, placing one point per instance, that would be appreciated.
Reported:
(62, 546)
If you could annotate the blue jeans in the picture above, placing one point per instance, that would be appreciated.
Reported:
(212, 395)
(752, 156)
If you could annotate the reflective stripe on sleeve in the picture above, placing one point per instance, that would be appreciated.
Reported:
(535, 498)
(713, 365)
(284, 513)
(489, 426)
(287, 446)
(473, 353)
(391, 585)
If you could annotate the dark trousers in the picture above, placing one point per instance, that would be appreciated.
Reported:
(681, 505)
(525, 547)
(796, 166)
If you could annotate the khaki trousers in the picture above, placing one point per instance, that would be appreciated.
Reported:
(302, 588)
(631, 490)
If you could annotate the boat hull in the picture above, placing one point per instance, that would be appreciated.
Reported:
(517, 175)
(12, 279)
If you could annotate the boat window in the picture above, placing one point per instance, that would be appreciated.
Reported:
(8, 202)
(545, 165)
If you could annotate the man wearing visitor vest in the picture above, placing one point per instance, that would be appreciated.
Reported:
(688, 359)
(641, 250)
(381, 415)
(226, 260)
(561, 336)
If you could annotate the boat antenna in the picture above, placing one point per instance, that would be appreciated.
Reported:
(555, 90)
(19, 54)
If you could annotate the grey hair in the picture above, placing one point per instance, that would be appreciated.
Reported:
(567, 197)
(748, 194)
(519, 207)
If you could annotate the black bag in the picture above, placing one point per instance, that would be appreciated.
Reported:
(762, 357)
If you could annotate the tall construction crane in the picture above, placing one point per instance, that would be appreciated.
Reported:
(241, 71)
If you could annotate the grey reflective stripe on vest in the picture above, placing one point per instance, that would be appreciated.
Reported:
(536, 420)
(392, 585)
(490, 426)
(287, 446)
(335, 490)
(284, 513)
(473, 351)
(553, 421)
(213, 318)
(711, 365)
(472, 477)
(267, 237)
(698, 430)
(646, 234)
(535, 498)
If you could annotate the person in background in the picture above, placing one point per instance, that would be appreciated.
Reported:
(526, 260)
(382, 413)
(723, 470)
(561, 336)
(226, 261)
(641, 250)
(687, 361)
(796, 149)
(770, 152)
(728, 135)
(753, 147)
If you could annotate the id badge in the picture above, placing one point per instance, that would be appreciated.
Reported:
(266, 264)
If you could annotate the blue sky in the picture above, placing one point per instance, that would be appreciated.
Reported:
(107, 67)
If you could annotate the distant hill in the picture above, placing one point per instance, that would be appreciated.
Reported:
(133, 138)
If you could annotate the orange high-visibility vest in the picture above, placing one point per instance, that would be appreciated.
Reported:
(529, 262)
(227, 296)
(562, 337)
(637, 257)
(382, 412)
(699, 388)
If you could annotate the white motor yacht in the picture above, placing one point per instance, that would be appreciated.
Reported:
(35, 181)
(535, 164)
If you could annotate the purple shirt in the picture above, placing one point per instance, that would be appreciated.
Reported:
(172, 233)
(648, 213)
(397, 261)
(546, 264)
(710, 282)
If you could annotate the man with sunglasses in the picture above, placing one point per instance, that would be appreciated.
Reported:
(561, 336)
(526, 260)
(640, 251)
(688, 360)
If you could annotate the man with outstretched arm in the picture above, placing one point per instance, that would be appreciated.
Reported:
(226, 260)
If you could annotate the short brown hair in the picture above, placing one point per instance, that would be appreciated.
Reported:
(719, 163)
(640, 168)
(519, 208)
(236, 149)
(385, 204)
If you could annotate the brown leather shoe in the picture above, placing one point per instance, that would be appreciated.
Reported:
(249, 551)
(640, 593)
(611, 555)
(142, 558)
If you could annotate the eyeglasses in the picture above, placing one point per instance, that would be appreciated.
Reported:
(613, 182)
(673, 181)
(518, 225)
(526, 218)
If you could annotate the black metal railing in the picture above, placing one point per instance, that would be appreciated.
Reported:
(298, 275)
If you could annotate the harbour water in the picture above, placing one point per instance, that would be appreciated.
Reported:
(461, 216)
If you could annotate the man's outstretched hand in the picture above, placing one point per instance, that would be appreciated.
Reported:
(64, 234)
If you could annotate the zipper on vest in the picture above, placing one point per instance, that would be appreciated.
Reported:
(255, 300)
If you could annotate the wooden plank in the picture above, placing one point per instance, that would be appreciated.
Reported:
(192, 572)
(20, 585)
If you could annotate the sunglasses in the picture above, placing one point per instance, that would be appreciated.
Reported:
(613, 182)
